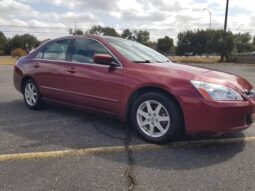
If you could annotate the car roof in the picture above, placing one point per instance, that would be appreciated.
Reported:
(86, 36)
(77, 36)
(97, 37)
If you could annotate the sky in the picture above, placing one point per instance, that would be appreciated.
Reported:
(53, 18)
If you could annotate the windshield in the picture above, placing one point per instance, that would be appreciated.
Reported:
(136, 52)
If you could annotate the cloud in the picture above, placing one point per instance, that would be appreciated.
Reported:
(13, 8)
(144, 18)
(167, 16)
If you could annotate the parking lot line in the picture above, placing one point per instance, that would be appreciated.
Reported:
(118, 149)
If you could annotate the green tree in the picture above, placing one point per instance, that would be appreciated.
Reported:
(95, 30)
(193, 43)
(151, 44)
(199, 42)
(142, 36)
(138, 35)
(78, 32)
(253, 44)
(3, 43)
(242, 42)
(127, 34)
(106, 31)
(165, 45)
(205, 42)
(184, 44)
(226, 46)
(26, 42)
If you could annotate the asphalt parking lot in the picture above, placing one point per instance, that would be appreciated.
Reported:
(104, 154)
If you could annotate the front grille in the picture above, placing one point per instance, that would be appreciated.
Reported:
(248, 119)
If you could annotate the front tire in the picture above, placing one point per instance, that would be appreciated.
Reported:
(157, 117)
(31, 95)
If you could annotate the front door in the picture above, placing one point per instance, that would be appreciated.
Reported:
(89, 84)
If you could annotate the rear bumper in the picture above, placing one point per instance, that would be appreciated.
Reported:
(210, 117)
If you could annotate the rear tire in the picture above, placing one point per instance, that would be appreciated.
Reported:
(157, 117)
(31, 95)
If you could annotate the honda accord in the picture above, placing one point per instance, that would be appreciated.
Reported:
(123, 78)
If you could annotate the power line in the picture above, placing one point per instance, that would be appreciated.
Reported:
(35, 32)
(132, 29)
(122, 28)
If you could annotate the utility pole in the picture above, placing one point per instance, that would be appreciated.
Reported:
(210, 14)
(225, 30)
(74, 26)
(226, 18)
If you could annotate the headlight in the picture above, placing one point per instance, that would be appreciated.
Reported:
(216, 92)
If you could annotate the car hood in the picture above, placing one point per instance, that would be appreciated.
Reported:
(202, 74)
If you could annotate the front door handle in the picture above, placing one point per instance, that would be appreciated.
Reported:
(36, 65)
(71, 70)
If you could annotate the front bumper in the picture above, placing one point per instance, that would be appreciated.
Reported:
(212, 117)
(17, 78)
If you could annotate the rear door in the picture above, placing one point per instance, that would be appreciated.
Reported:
(89, 84)
(48, 69)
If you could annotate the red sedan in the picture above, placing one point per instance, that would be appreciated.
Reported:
(133, 82)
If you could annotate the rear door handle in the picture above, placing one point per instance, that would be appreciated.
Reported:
(71, 70)
(36, 65)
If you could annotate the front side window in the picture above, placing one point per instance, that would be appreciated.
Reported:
(39, 55)
(56, 50)
(85, 49)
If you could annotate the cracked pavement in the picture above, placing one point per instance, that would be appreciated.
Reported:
(202, 167)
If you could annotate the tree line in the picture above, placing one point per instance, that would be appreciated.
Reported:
(199, 42)
(214, 42)
(22, 43)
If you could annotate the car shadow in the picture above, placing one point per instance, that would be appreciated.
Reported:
(58, 128)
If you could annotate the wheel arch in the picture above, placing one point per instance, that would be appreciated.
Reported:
(24, 79)
(146, 89)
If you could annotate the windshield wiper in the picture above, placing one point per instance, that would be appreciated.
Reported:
(146, 61)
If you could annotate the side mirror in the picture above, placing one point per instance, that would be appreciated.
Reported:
(104, 59)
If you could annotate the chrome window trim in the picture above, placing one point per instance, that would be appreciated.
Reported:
(83, 63)
(71, 62)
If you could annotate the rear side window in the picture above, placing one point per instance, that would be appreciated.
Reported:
(85, 49)
(56, 50)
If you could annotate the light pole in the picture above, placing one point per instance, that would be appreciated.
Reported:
(210, 14)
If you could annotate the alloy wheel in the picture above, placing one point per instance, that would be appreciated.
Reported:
(31, 94)
(153, 118)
